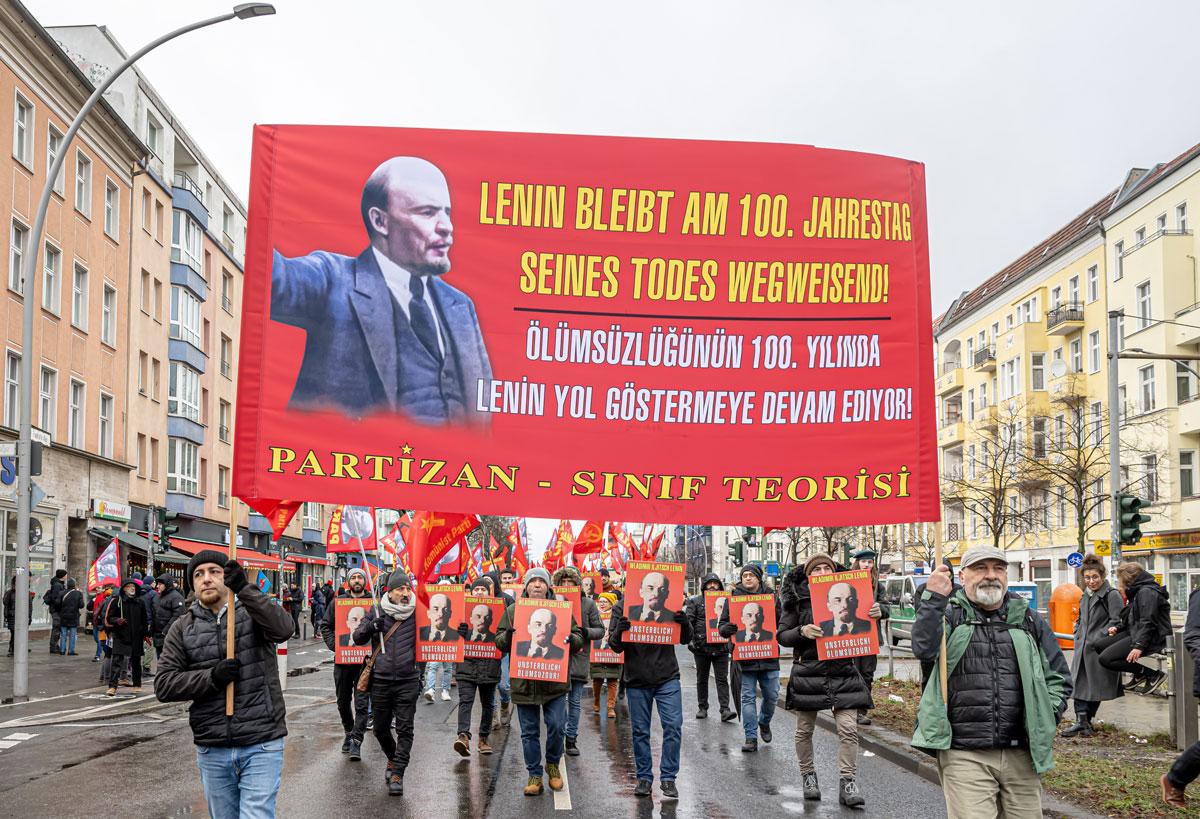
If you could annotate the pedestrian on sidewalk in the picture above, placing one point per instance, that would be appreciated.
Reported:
(714, 656)
(391, 629)
(352, 704)
(293, 601)
(652, 681)
(755, 675)
(68, 617)
(477, 674)
(603, 673)
(1187, 765)
(816, 685)
(241, 756)
(129, 629)
(1092, 683)
(149, 598)
(100, 617)
(1144, 628)
(539, 701)
(52, 598)
(580, 670)
(1008, 685)
(864, 560)
(10, 612)
(169, 604)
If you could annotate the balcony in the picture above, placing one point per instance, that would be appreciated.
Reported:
(1187, 335)
(952, 431)
(951, 378)
(955, 530)
(1065, 319)
(985, 359)
(187, 196)
(1188, 419)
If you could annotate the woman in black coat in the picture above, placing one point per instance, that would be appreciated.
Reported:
(477, 675)
(1145, 625)
(128, 628)
(816, 685)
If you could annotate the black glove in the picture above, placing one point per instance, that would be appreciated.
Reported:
(379, 625)
(680, 617)
(575, 642)
(225, 672)
(727, 630)
(235, 578)
(462, 630)
(622, 625)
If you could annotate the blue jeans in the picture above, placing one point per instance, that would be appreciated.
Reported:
(431, 675)
(574, 701)
(66, 640)
(241, 783)
(555, 715)
(99, 645)
(505, 682)
(768, 681)
(669, 700)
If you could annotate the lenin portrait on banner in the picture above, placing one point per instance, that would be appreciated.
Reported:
(439, 629)
(654, 590)
(843, 606)
(384, 332)
(542, 629)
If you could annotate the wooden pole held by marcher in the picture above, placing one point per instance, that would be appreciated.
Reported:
(362, 551)
(937, 557)
(229, 608)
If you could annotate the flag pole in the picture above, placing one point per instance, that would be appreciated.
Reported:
(937, 556)
(362, 551)
(229, 608)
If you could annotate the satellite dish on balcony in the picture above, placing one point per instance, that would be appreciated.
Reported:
(1058, 368)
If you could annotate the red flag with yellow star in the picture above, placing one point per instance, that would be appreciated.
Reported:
(430, 536)
(590, 540)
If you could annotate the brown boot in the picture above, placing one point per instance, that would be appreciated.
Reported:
(554, 777)
(1172, 795)
(483, 746)
(462, 745)
(612, 699)
(597, 687)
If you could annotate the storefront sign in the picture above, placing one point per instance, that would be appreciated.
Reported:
(111, 510)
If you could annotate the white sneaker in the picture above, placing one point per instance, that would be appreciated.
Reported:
(429, 695)
(445, 695)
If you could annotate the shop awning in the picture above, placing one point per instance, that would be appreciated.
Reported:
(247, 557)
(132, 540)
(316, 561)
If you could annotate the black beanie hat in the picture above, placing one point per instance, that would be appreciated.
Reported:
(200, 558)
(398, 580)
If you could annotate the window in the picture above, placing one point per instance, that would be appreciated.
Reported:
(1037, 371)
(1183, 577)
(185, 240)
(146, 211)
(145, 295)
(1143, 305)
(1043, 580)
(185, 316)
(1076, 356)
(12, 390)
(108, 317)
(154, 380)
(1119, 261)
(223, 486)
(1185, 383)
(183, 392)
(1008, 322)
(1062, 510)
(227, 300)
(158, 221)
(83, 184)
(112, 208)
(158, 301)
(1160, 224)
(1187, 473)
(141, 455)
(995, 331)
(1027, 310)
(1038, 443)
(16, 255)
(971, 405)
(143, 371)
(154, 134)
(1139, 236)
(311, 516)
(1093, 283)
(106, 425)
(226, 357)
(1121, 332)
(75, 414)
(154, 459)
(1056, 298)
(1146, 388)
(1073, 290)
(79, 297)
(51, 276)
(227, 223)
(183, 467)
(23, 132)
(224, 416)
(1181, 217)
(1094, 351)
(1150, 476)
(1097, 422)
(47, 400)
(1010, 373)
(54, 146)
(1060, 431)
(970, 350)
(1122, 404)
(983, 395)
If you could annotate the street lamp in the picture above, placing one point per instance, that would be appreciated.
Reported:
(21, 620)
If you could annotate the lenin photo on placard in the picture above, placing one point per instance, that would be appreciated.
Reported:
(754, 615)
(439, 613)
(541, 640)
(715, 602)
(572, 594)
(348, 612)
(600, 651)
(653, 593)
(483, 614)
(840, 603)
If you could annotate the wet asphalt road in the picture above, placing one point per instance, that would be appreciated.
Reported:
(144, 764)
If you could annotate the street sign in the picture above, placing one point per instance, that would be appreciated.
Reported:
(35, 531)
(39, 435)
(772, 568)
(1026, 590)
(1075, 560)
(8, 449)
(1103, 548)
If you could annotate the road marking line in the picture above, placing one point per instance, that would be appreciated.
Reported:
(4, 746)
(20, 737)
(562, 799)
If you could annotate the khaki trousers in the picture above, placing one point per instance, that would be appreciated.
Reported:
(847, 731)
(995, 783)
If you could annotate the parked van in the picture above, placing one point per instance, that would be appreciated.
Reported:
(900, 592)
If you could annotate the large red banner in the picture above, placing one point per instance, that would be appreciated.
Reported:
(591, 327)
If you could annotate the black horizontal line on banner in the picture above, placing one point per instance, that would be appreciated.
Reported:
(695, 318)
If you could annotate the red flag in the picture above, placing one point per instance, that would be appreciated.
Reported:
(654, 546)
(106, 571)
(769, 529)
(455, 561)
(559, 547)
(430, 536)
(347, 526)
(590, 540)
(281, 515)
(620, 546)
(518, 561)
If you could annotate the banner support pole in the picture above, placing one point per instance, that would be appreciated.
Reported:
(937, 556)
(362, 551)
(229, 605)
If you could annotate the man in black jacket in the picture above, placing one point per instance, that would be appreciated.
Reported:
(168, 606)
(345, 675)
(755, 674)
(652, 679)
(128, 628)
(708, 655)
(394, 681)
(52, 598)
(241, 756)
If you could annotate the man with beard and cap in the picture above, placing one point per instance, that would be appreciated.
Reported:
(1008, 685)
(345, 675)
(581, 672)
(708, 655)
(477, 674)
(864, 560)
(128, 628)
(167, 608)
(539, 700)
(240, 756)
(391, 629)
(755, 674)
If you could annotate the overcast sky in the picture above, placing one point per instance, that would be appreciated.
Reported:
(1024, 113)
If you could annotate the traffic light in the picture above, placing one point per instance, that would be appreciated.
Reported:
(737, 551)
(168, 528)
(1130, 509)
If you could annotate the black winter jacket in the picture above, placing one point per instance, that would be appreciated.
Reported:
(196, 643)
(399, 660)
(168, 606)
(729, 629)
(69, 607)
(127, 639)
(815, 685)
(697, 616)
(1191, 635)
(54, 594)
(646, 665)
(1147, 614)
(326, 626)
